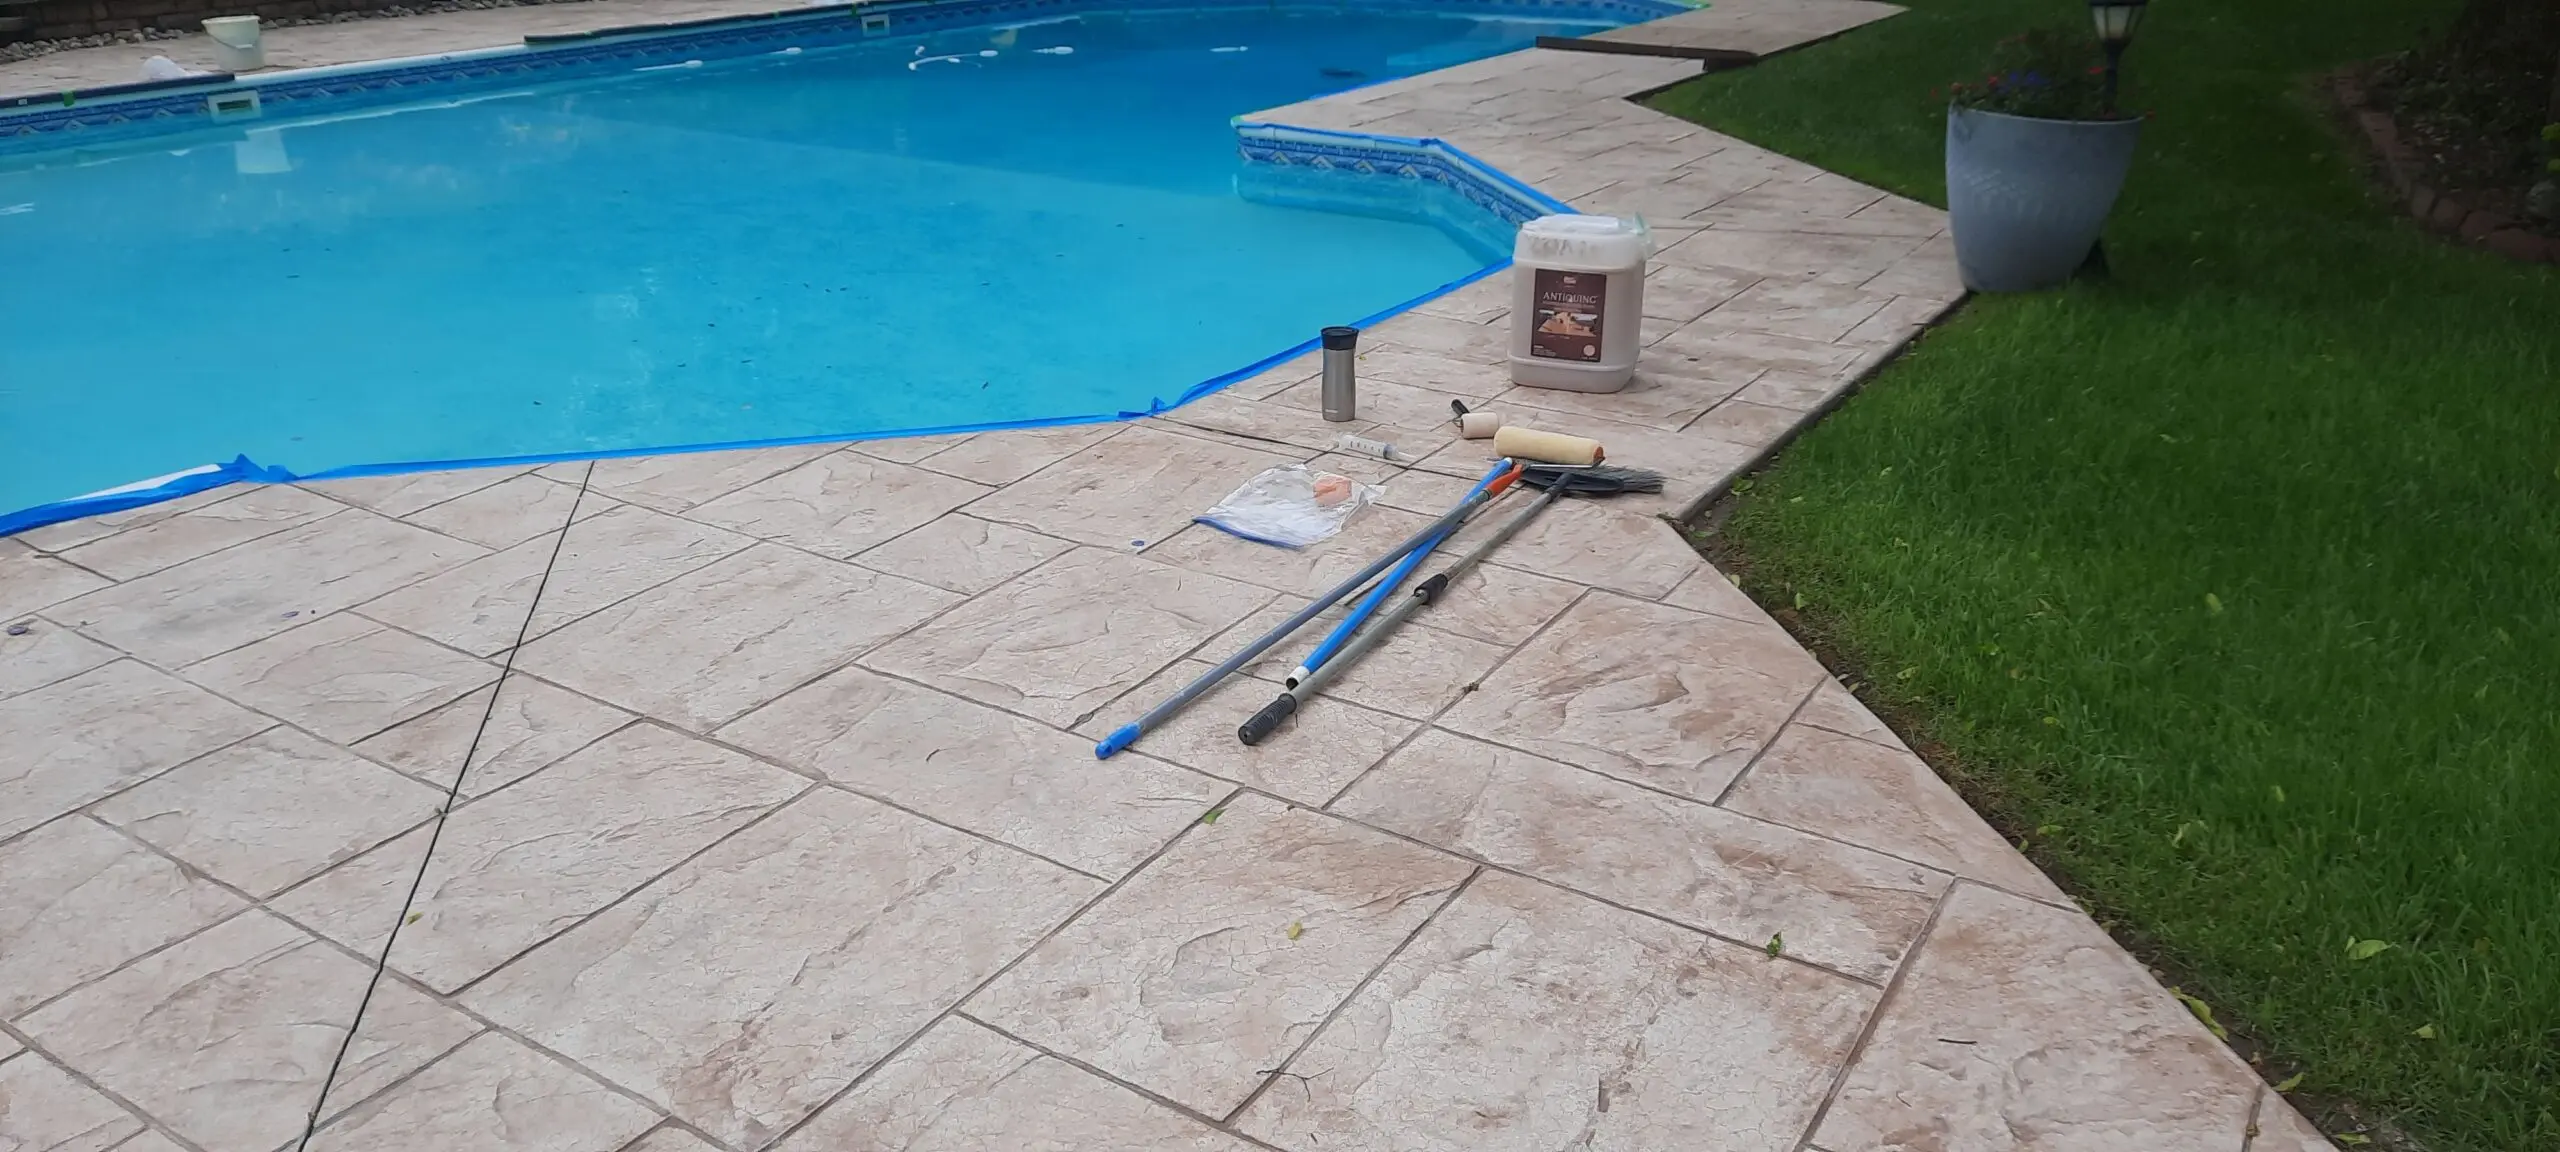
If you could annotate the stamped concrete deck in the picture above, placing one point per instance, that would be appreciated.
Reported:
(1735, 31)
(783, 829)
(355, 41)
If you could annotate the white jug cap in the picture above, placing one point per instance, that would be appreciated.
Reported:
(1595, 242)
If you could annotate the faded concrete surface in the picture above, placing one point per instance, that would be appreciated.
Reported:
(1744, 29)
(376, 38)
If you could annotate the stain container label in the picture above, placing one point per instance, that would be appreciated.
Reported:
(1567, 316)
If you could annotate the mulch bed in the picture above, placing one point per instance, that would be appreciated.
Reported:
(2456, 125)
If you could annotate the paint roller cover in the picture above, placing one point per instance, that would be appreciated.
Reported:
(1546, 447)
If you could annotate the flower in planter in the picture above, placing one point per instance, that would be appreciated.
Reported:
(2048, 74)
(2036, 154)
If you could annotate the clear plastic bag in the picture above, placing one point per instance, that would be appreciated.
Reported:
(1291, 506)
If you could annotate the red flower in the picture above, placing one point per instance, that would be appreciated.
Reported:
(2097, 69)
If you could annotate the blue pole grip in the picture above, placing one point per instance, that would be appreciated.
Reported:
(1394, 579)
(1122, 737)
(1368, 605)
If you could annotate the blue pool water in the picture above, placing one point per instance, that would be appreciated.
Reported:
(844, 241)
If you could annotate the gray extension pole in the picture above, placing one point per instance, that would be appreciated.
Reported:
(1286, 705)
(1128, 733)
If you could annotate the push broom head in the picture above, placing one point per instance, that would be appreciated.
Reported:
(1590, 479)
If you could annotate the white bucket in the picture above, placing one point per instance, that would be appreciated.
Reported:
(235, 43)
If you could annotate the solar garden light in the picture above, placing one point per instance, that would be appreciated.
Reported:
(2116, 20)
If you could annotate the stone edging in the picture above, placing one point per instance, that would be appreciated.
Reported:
(2438, 210)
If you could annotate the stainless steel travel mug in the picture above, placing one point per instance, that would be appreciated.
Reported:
(1341, 389)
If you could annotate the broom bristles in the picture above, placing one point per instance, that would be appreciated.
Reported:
(1591, 479)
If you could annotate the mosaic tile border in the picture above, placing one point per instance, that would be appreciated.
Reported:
(66, 119)
(1397, 157)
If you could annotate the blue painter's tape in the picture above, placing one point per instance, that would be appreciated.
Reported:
(1240, 534)
(169, 487)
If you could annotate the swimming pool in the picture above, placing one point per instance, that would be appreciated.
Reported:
(969, 227)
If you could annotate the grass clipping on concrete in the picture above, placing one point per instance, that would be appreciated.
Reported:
(2234, 581)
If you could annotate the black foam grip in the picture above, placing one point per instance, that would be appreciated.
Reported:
(1429, 590)
(1268, 720)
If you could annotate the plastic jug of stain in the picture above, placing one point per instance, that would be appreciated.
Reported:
(1577, 302)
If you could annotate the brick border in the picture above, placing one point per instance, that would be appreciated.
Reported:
(2439, 211)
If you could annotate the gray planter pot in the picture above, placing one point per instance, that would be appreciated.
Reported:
(2026, 198)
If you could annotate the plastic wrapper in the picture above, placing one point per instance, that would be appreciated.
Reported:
(1291, 506)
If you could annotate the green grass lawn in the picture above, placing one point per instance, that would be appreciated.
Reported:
(2236, 578)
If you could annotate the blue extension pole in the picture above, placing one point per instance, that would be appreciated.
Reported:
(1128, 733)
(1367, 607)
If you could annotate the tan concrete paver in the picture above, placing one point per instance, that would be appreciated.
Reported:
(531, 724)
(965, 1089)
(671, 1140)
(343, 676)
(745, 988)
(1884, 798)
(999, 775)
(963, 554)
(271, 811)
(400, 494)
(1838, 906)
(512, 511)
(77, 901)
(71, 534)
(1126, 492)
(312, 46)
(49, 1110)
(1835, 709)
(41, 652)
(217, 602)
(1017, 454)
(2022, 1026)
(676, 482)
(1654, 695)
(226, 1036)
(839, 504)
(495, 1094)
(1206, 971)
(515, 867)
(1753, 27)
(99, 732)
(1068, 636)
(2281, 1129)
(480, 607)
(1665, 401)
(1526, 1017)
(709, 645)
(258, 511)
